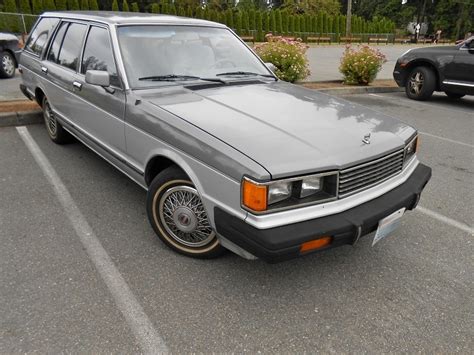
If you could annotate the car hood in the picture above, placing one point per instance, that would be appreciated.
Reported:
(287, 129)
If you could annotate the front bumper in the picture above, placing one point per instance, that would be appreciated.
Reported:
(282, 243)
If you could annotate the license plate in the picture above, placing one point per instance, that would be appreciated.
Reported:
(388, 225)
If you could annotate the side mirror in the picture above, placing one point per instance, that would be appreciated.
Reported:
(271, 66)
(98, 77)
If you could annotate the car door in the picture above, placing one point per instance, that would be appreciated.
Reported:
(59, 70)
(460, 73)
(102, 109)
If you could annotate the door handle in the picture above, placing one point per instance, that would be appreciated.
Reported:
(77, 85)
(44, 70)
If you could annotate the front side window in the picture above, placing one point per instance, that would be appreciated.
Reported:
(163, 50)
(39, 36)
(98, 54)
(56, 45)
(71, 47)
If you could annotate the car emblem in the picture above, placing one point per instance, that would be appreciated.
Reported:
(366, 139)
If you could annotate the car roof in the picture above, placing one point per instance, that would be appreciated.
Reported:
(127, 18)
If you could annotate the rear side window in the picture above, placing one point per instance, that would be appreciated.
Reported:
(98, 54)
(39, 36)
(71, 47)
(58, 40)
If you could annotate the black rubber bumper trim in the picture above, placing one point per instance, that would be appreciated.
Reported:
(282, 243)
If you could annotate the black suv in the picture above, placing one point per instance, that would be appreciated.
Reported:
(443, 68)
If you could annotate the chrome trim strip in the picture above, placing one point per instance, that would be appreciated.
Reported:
(118, 57)
(320, 210)
(458, 83)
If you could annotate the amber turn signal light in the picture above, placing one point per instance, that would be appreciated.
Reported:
(254, 196)
(315, 244)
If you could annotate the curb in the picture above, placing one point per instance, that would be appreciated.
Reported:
(360, 90)
(20, 118)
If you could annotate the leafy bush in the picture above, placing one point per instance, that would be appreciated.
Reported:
(361, 65)
(288, 56)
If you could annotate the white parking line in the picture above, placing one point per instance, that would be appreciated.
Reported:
(146, 335)
(448, 140)
(444, 219)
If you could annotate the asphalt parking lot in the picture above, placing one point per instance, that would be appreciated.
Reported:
(412, 292)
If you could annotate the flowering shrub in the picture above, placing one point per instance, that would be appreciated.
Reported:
(361, 65)
(288, 56)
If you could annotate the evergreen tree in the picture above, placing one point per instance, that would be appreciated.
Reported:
(12, 23)
(115, 6)
(320, 23)
(25, 7)
(172, 10)
(181, 11)
(189, 12)
(221, 17)
(272, 22)
(238, 22)
(37, 7)
(199, 12)
(84, 5)
(61, 5)
(259, 22)
(125, 6)
(284, 21)
(297, 24)
(49, 5)
(245, 22)
(214, 16)
(93, 5)
(252, 20)
(314, 24)
(135, 7)
(330, 21)
(229, 18)
(302, 24)
(155, 8)
(165, 9)
(265, 23)
(342, 25)
(278, 21)
(291, 23)
(325, 23)
(307, 19)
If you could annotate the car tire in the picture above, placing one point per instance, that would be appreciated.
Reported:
(56, 132)
(7, 65)
(453, 95)
(178, 216)
(420, 84)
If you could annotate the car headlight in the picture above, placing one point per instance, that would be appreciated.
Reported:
(411, 148)
(288, 193)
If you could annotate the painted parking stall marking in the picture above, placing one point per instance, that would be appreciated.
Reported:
(142, 328)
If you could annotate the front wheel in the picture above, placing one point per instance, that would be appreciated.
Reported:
(7, 65)
(453, 95)
(178, 217)
(420, 84)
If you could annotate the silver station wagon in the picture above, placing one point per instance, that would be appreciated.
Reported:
(231, 156)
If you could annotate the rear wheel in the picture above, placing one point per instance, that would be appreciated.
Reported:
(178, 216)
(56, 132)
(420, 84)
(453, 95)
(7, 65)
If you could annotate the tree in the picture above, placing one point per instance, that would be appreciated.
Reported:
(24, 7)
(245, 22)
(272, 27)
(125, 7)
(49, 5)
(135, 7)
(258, 20)
(84, 5)
(93, 5)
(189, 12)
(238, 22)
(291, 23)
(115, 6)
(278, 22)
(12, 22)
(199, 12)
(181, 11)
(155, 8)
(61, 5)
(229, 18)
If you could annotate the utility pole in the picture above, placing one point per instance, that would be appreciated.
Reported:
(348, 18)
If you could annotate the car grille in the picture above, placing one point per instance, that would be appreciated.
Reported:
(363, 176)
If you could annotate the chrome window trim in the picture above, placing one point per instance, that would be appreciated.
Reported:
(118, 56)
(296, 215)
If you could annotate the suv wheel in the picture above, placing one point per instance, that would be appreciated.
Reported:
(453, 95)
(420, 84)
(178, 217)
(7, 65)
(55, 131)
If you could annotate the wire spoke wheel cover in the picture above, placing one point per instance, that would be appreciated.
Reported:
(50, 120)
(182, 214)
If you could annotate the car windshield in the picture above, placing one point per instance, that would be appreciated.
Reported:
(163, 53)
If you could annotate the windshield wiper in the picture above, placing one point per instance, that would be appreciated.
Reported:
(175, 77)
(248, 73)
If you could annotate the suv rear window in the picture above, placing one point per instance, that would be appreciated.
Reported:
(72, 44)
(39, 36)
